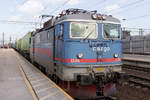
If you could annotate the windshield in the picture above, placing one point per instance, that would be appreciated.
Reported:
(84, 30)
(111, 31)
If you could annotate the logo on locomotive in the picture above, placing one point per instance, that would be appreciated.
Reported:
(104, 49)
(100, 46)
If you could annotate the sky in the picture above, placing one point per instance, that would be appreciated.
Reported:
(135, 12)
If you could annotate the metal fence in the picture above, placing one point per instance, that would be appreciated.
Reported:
(136, 40)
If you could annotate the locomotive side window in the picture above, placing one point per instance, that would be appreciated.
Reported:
(48, 35)
(61, 29)
(37, 39)
(111, 31)
(83, 30)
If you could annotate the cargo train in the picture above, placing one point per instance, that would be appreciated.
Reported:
(80, 50)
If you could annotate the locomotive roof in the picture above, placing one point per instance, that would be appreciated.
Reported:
(85, 17)
(77, 15)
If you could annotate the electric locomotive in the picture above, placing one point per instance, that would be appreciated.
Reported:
(81, 51)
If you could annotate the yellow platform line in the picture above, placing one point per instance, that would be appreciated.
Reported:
(50, 80)
(26, 80)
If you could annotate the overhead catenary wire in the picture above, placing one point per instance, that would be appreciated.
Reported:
(133, 28)
(132, 3)
(138, 17)
(18, 22)
(97, 4)
(118, 12)
(125, 6)
(67, 1)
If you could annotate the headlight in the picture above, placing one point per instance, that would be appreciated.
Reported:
(115, 55)
(80, 55)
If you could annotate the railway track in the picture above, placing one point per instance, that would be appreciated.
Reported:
(138, 68)
(139, 76)
(140, 81)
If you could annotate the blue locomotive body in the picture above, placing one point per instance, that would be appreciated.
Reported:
(80, 48)
(98, 51)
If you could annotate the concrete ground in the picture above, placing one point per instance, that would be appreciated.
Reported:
(20, 80)
(12, 84)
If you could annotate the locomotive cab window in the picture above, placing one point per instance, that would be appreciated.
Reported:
(111, 31)
(83, 30)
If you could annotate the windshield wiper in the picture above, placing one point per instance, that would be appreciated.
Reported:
(88, 35)
(108, 35)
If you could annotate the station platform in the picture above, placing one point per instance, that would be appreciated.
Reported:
(136, 57)
(142, 61)
(20, 80)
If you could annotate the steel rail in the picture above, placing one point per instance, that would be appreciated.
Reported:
(139, 68)
(139, 83)
(139, 77)
(145, 83)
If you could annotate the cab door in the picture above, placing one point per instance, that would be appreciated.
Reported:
(58, 41)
